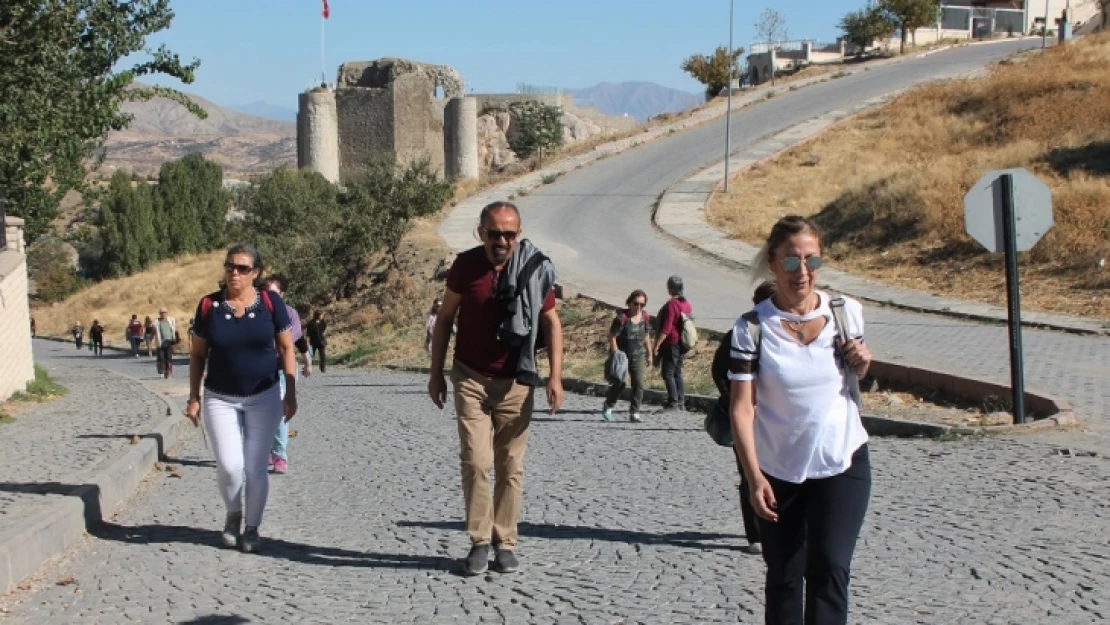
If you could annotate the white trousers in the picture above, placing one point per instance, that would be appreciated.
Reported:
(242, 430)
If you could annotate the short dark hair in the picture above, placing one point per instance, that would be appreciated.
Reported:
(634, 295)
(252, 251)
(280, 280)
(496, 206)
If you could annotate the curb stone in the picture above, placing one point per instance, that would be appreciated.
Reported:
(875, 425)
(89, 497)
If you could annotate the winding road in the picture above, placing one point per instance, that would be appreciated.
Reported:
(595, 223)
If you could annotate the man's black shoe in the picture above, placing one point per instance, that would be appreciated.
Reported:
(477, 561)
(505, 561)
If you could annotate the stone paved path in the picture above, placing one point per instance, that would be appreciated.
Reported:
(61, 440)
(622, 524)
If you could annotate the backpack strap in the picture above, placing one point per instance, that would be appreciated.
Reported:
(840, 318)
(269, 303)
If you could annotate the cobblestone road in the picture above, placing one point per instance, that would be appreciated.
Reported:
(622, 524)
(59, 440)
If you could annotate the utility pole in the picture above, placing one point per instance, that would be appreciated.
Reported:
(1044, 31)
(728, 108)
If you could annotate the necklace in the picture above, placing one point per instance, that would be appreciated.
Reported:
(798, 329)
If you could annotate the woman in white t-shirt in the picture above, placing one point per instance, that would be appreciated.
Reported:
(805, 456)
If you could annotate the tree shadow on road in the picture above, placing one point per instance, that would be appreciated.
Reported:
(275, 548)
(687, 540)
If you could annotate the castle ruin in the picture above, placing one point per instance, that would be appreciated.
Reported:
(392, 108)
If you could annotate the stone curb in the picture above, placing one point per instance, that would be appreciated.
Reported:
(89, 497)
(682, 214)
(875, 425)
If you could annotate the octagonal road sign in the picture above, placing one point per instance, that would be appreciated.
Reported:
(1032, 210)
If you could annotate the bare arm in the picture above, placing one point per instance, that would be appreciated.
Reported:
(552, 327)
(441, 337)
(742, 416)
(198, 355)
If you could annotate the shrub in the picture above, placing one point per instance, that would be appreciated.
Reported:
(538, 128)
(49, 265)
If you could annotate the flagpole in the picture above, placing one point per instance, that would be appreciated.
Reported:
(323, 65)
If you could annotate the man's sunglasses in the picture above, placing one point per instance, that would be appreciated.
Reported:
(508, 235)
(237, 268)
(793, 263)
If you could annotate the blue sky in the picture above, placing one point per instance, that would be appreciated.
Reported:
(270, 49)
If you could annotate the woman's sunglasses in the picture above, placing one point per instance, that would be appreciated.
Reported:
(641, 304)
(237, 268)
(794, 263)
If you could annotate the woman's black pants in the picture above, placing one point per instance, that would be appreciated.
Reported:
(813, 541)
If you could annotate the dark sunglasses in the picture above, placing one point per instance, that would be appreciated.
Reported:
(237, 268)
(639, 304)
(508, 235)
(793, 263)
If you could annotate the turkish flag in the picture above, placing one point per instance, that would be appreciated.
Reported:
(327, 11)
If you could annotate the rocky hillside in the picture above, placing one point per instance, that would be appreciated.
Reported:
(163, 130)
(495, 126)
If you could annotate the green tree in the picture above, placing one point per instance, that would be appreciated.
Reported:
(862, 28)
(538, 128)
(49, 266)
(910, 15)
(324, 238)
(62, 81)
(713, 71)
(194, 203)
(117, 222)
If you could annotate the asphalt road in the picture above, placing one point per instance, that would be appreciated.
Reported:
(595, 223)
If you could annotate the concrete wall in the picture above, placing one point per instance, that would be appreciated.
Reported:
(17, 367)
(497, 100)
(318, 133)
(365, 125)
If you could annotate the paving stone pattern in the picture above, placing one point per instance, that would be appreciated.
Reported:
(622, 524)
(58, 442)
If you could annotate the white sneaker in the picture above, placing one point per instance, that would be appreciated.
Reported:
(635, 418)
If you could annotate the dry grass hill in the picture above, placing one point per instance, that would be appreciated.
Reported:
(887, 185)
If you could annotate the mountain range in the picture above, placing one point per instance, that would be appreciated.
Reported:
(257, 137)
(635, 99)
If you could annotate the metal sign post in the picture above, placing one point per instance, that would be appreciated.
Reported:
(1013, 296)
(1008, 211)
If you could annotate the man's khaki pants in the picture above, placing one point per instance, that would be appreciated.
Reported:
(493, 415)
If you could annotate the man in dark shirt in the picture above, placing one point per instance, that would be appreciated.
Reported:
(317, 341)
(494, 409)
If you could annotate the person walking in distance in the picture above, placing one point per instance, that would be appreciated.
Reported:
(239, 332)
(96, 337)
(165, 332)
(502, 292)
(148, 334)
(719, 370)
(668, 345)
(78, 332)
(317, 338)
(135, 334)
(34, 332)
(279, 452)
(796, 419)
(630, 333)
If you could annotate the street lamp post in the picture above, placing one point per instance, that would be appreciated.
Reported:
(3, 222)
(1044, 31)
(728, 108)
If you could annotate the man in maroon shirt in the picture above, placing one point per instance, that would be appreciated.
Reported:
(668, 345)
(494, 408)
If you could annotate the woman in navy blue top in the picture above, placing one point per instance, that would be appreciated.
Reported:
(239, 333)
